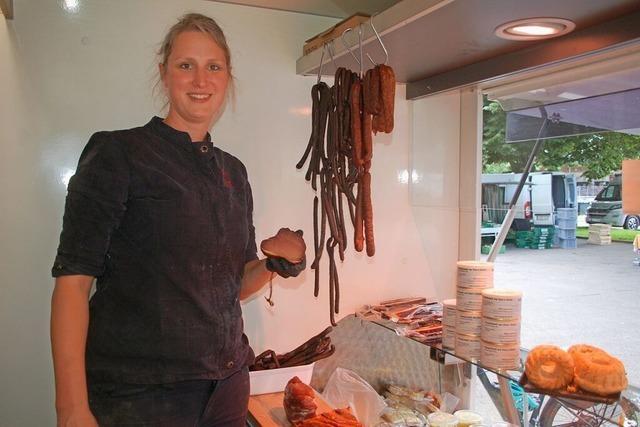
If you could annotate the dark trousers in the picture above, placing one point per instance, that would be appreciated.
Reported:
(199, 403)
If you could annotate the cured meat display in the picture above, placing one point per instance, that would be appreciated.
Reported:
(316, 348)
(416, 317)
(339, 156)
(335, 418)
(298, 401)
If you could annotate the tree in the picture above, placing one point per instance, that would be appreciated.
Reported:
(598, 155)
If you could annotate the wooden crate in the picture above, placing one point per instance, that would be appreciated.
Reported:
(319, 40)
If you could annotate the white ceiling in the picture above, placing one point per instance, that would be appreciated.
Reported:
(332, 8)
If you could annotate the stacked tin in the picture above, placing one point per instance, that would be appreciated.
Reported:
(500, 330)
(473, 277)
(449, 324)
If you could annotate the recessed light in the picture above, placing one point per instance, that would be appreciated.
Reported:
(535, 28)
(71, 6)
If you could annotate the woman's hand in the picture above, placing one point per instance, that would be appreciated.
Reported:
(76, 417)
(285, 253)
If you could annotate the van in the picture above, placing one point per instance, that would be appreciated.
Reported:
(607, 207)
(542, 195)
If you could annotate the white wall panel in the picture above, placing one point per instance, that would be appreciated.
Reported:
(65, 74)
(435, 184)
(470, 173)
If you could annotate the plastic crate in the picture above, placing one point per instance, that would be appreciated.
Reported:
(568, 243)
(485, 249)
(566, 234)
(567, 224)
(543, 230)
(567, 213)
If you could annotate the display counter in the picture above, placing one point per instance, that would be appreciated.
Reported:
(377, 351)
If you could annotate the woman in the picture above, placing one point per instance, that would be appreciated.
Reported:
(163, 219)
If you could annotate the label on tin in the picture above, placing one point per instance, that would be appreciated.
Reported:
(500, 357)
(469, 300)
(501, 304)
(448, 337)
(469, 322)
(449, 312)
(500, 331)
(468, 346)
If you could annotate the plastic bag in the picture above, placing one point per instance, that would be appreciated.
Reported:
(346, 388)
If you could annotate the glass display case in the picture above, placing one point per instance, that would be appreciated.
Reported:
(378, 352)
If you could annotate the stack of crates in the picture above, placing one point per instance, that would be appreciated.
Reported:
(566, 222)
(600, 234)
(540, 237)
(522, 239)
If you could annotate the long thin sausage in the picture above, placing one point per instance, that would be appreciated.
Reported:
(368, 213)
(356, 123)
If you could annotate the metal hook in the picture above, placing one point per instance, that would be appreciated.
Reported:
(330, 48)
(346, 46)
(386, 53)
(321, 59)
(360, 48)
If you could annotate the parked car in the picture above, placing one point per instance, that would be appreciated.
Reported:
(607, 207)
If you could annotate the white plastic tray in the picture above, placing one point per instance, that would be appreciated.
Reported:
(275, 380)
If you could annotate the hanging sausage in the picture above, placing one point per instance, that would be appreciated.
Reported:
(340, 152)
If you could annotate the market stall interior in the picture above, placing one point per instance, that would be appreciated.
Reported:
(403, 328)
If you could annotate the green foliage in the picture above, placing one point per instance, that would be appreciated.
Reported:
(598, 154)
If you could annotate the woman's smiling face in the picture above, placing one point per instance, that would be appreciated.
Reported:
(195, 76)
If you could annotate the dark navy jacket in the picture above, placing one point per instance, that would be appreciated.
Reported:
(165, 224)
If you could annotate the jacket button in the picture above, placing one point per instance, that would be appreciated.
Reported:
(230, 364)
(204, 148)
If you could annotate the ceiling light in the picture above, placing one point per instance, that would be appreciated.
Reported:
(535, 28)
(71, 5)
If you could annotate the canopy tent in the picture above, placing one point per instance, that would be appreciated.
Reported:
(618, 111)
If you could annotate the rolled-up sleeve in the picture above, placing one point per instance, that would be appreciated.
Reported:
(95, 204)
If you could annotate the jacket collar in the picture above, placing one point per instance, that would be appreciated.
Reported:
(159, 127)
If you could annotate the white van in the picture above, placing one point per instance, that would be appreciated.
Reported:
(543, 193)
(607, 207)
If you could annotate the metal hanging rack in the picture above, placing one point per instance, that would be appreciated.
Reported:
(360, 61)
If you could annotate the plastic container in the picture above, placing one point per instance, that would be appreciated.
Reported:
(449, 312)
(500, 331)
(468, 418)
(567, 224)
(500, 356)
(566, 234)
(567, 213)
(442, 419)
(469, 299)
(568, 243)
(469, 322)
(475, 274)
(501, 303)
(275, 380)
(468, 346)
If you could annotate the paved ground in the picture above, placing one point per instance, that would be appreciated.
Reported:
(586, 295)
